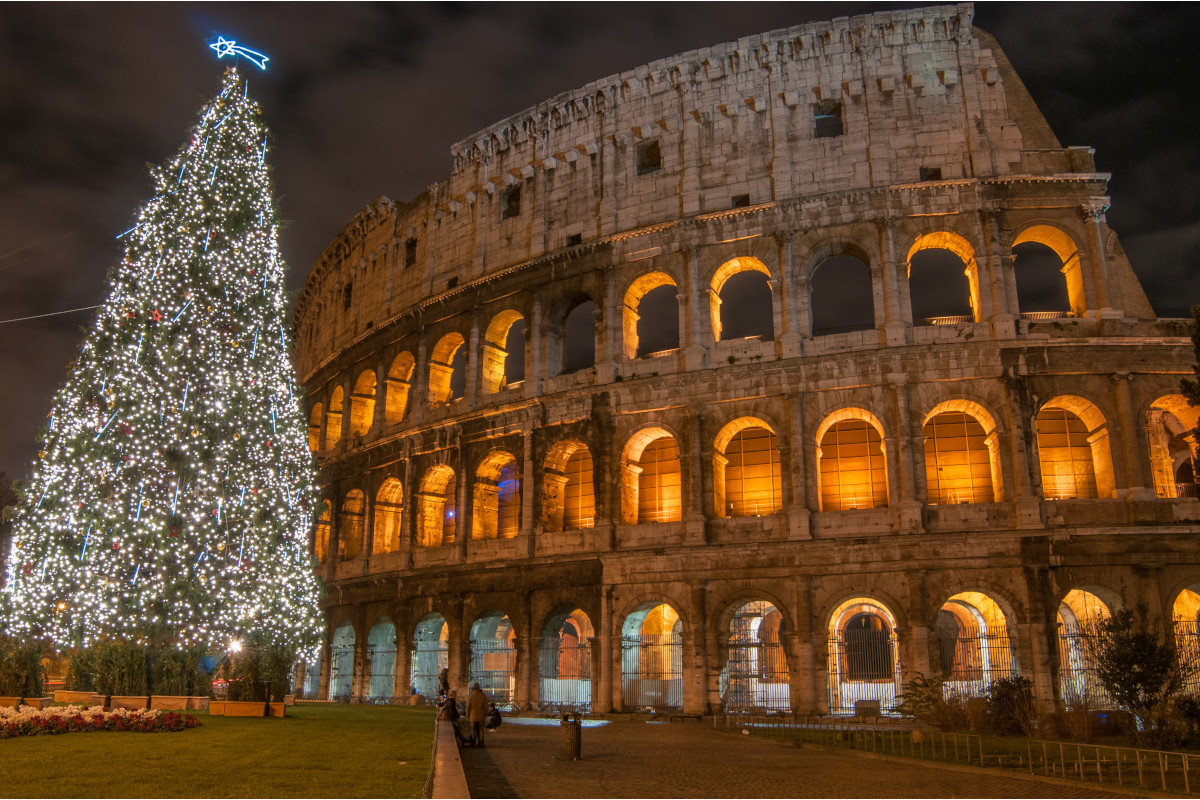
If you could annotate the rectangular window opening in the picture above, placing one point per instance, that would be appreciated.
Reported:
(931, 173)
(510, 203)
(649, 157)
(739, 201)
(574, 239)
(827, 119)
(410, 253)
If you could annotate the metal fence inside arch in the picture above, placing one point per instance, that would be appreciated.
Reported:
(494, 658)
(341, 664)
(652, 659)
(756, 675)
(381, 658)
(565, 663)
(430, 655)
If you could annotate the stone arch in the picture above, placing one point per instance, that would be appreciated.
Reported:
(321, 535)
(1185, 614)
(974, 645)
(399, 384)
(1079, 613)
(747, 477)
(430, 654)
(381, 660)
(437, 501)
(651, 479)
(763, 307)
(851, 461)
(652, 657)
(571, 332)
(499, 362)
(1074, 451)
(841, 294)
(314, 428)
(1171, 423)
(565, 660)
(631, 318)
(389, 513)
(957, 245)
(493, 656)
(496, 497)
(341, 661)
(755, 676)
(1064, 246)
(864, 660)
(351, 525)
(333, 419)
(569, 491)
(444, 364)
(962, 454)
(362, 403)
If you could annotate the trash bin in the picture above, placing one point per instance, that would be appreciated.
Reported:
(570, 738)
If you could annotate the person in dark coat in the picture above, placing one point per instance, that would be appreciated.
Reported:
(477, 704)
(493, 720)
(452, 716)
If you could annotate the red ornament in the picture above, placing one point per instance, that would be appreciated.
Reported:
(28, 568)
(116, 545)
(270, 443)
(156, 315)
(132, 315)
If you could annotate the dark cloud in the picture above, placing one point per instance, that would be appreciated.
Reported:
(366, 99)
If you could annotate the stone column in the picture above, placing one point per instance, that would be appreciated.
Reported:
(528, 493)
(1108, 292)
(402, 681)
(801, 480)
(793, 291)
(897, 311)
(381, 392)
(694, 484)
(1135, 479)
(418, 397)
(1026, 499)
(1000, 276)
(409, 514)
(608, 322)
(606, 689)
(695, 656)
(524, 667)
(909, 459)
(534, 346)
(474, 361)
(322, 441)
(368, 533)
(695, 347)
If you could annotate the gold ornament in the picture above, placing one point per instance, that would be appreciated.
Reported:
(220, 545)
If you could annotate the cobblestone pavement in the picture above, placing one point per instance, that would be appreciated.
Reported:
(689, 759)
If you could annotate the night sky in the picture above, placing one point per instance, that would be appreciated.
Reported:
(365, 100)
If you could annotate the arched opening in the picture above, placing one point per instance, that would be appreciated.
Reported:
(1185, 616)
(841, 298)
(381, 658)
(962, 464)
(399, 383)
(496, 513)
(430, 654)
(311, 687)
(650, 478)
(851, 462)
(943, 284)
(864, 662)
(503, 352)
(321, 535)
(389, 510)
(651, 315)
(974, 648)
(1048, 273)
(341, 663)
(437, 498)
(1173, 446)
(1079, 616)
(494, 657)
(755, 676)
(740, 301)
(652, 658)
(447, 369)
(333, 420)
(1073, 450)
(746, 472)
(362, 404)
(314, 428)
(565, 662)
(350, 525)
(579, 336)
(569, 501)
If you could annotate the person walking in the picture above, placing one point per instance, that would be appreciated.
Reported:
(477, 705)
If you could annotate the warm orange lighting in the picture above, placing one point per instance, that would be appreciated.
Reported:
(958, 465)
(1065, 456)
(852, 467)
(579, 494)
(659, 496)
(752, 481)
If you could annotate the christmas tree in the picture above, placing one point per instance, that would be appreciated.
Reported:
(170, 504)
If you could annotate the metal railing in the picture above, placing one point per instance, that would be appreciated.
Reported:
(1151, 769)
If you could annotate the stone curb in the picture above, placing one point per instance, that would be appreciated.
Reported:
(1116, 791)
(448, 779)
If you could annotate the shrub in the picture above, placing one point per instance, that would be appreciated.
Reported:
(81, 671)
(260, 672)
(21, 671)
(925, 698)
(120, 669)
(179, 672)
(1011, 708)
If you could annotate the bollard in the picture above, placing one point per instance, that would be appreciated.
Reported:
(571, 745)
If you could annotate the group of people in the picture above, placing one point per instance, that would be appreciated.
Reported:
(478, 711)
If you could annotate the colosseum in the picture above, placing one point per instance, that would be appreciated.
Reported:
(764, 376)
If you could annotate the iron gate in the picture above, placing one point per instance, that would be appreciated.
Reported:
(429, 657)
(1187, 644)
(756, 673)
(492, 663)
(1078, 678)
(382, 658)
(864, 671)
(341, 672)
(970, 664)
(652, 671)
(565, 675)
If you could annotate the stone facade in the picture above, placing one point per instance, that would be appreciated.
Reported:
(459, 485)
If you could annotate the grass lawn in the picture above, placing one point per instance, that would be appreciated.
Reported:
(315, 751)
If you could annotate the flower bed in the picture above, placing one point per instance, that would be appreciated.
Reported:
(28, 721)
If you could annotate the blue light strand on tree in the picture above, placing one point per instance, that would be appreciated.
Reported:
(174, 484)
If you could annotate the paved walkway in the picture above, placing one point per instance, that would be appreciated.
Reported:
(689, 759)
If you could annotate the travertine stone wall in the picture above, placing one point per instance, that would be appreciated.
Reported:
(744, 184)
